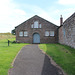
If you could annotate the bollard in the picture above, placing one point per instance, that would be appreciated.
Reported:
(8, 42)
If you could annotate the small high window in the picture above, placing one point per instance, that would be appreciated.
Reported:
(21, 33)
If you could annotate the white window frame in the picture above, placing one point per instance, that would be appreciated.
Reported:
(46, 33)
(36, 25)
(39, 25)
(32, 26)
(21, 33)
(25, 33)
(51, 33)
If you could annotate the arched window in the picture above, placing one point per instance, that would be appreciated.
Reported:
(36, 24)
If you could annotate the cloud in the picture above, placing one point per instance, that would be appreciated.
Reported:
(41, 12)
(52, 14)
(10, 15)
(67, 12)
(48, 15)
(19, 12)
(66, 2)
(36, 10)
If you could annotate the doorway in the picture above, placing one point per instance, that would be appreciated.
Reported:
(36, 38)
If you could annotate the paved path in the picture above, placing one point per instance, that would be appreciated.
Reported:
(31, 61)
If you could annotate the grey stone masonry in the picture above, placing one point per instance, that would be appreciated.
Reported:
(67, 32)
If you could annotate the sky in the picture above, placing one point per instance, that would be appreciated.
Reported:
(14, 12)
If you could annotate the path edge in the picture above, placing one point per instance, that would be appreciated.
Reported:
(15, 59)
(52, 61)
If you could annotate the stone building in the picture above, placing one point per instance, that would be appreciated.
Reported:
(37, 30)
(67, 31)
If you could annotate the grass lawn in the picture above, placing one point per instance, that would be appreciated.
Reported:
(62, 55)
(7, 53)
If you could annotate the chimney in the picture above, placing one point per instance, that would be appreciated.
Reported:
(61, 20)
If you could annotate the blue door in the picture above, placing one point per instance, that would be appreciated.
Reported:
(36, 38)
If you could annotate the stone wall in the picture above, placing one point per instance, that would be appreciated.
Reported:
(67, 32)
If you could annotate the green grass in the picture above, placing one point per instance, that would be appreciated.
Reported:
(8, 53)
(62, 55)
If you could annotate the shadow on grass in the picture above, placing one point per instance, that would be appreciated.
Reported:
(49, 67)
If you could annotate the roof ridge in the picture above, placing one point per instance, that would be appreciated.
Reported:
(36, 16)
(70, 17)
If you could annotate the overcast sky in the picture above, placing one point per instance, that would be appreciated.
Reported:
(14, 12)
